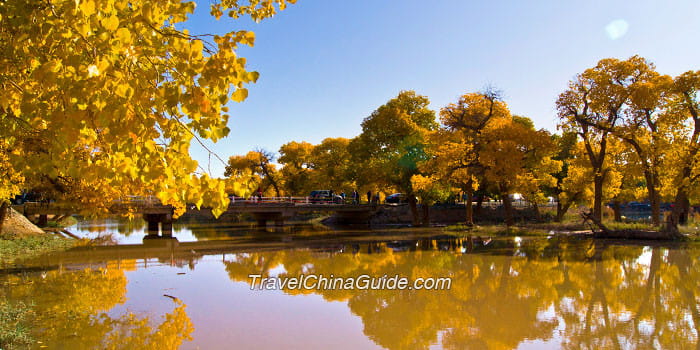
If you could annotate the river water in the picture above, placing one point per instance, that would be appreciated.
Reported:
(504, 293)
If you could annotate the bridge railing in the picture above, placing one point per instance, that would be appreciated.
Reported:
(146, 200)
(140, 202)
(290, 199)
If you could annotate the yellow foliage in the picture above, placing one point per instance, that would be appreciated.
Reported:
(111, 93)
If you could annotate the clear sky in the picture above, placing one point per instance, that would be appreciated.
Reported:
(325, 65)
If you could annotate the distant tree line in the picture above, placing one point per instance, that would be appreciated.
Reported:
(627, 133)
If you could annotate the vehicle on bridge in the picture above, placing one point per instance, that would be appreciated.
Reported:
(396, 198)
(27, 196)
(324, 196)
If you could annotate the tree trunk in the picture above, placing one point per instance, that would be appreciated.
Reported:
(598, 196)
(675, 217)
(43, 220)
(654, 197)
(617, 210)
(536, 208)
(656, 211)
(562, 209)
(685, 209)
(479, 204)
(629, 234)
(426, 215)
(507, 208)
(271, 180)
(414, 209)
(4, 209)
(468, 204)
(277, 190)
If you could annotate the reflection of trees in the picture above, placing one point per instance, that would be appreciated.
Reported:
(631, 302)
(598, 295)
(222, 229)
(121, 225)
(71, 312)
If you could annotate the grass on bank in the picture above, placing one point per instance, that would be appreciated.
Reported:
(572, 222)
(14, 332)
(63, 222)
(31, 246)
(498, 230)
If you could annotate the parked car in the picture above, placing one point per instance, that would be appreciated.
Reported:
(485, 199)
(26, 196)
(637, 206)
(324, 196)
(396, 198)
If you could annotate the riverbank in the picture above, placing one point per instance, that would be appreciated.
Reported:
(20, 238)
(28, 247)
(490, 222)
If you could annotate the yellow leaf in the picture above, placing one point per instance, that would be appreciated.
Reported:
(124, 36)
(217, 212)
(121, 90)
(196, 48)
(110, 23)
(249, 38)
(88, 7)
(239, 95)
(163, 196)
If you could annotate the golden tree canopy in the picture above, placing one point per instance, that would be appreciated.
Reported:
(108, 95)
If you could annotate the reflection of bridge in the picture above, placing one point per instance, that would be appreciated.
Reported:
(279, 209)
(160, 217)
(170, 251)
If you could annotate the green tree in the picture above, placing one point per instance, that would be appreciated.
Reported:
(392, 143)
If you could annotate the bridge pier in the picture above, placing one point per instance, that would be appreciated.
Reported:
(263, 217)
(161, 241)
(159, 223)
(166, 228)
(43, 220)
(153, 227)
(353, 217)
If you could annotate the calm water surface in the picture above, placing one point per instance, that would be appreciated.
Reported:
(509, 293)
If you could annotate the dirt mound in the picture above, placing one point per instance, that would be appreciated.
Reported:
(17, 225)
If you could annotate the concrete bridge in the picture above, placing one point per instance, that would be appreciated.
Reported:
(160, 217)
(281, 209)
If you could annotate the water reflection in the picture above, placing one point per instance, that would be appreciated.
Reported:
(71, 311)
(557, 292)
(579, 294)
(133, 231)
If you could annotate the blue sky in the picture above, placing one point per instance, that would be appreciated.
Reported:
(326, 64)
